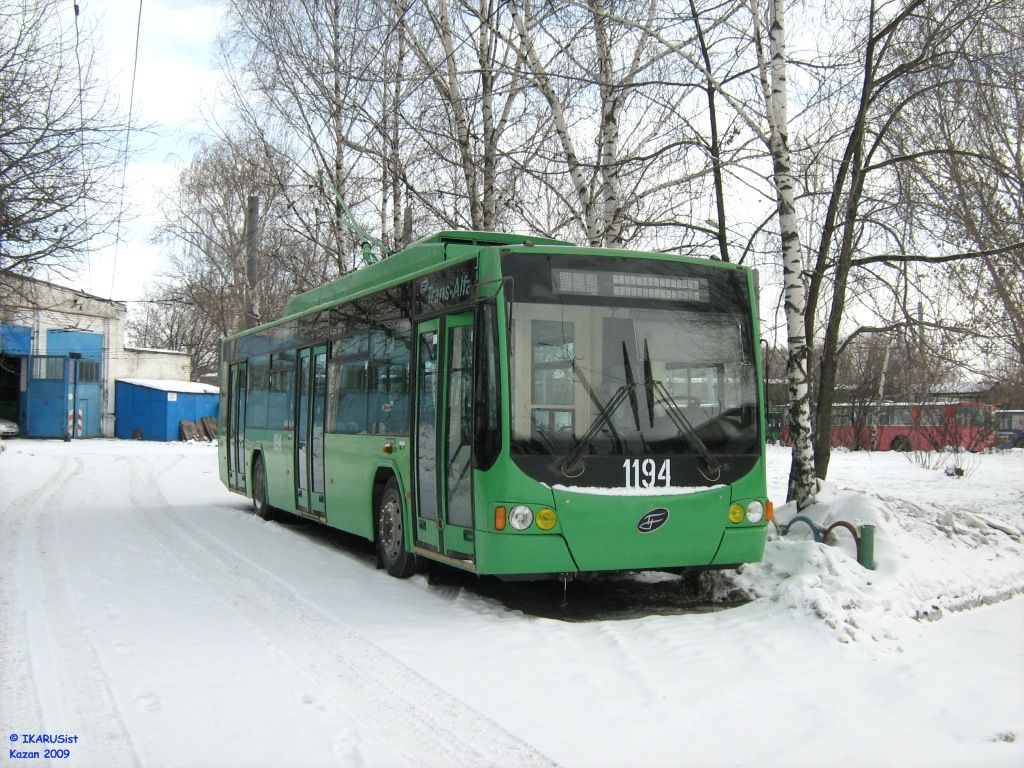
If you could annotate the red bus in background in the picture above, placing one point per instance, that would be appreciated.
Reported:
(914, 426)
(931, 426)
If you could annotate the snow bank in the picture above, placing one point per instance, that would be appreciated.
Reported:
(931, 556)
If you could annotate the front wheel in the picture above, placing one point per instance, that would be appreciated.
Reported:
(390, 533)
(260, 504)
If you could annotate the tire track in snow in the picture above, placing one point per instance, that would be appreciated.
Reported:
(18, 696)
(52, 670)
(424, 724)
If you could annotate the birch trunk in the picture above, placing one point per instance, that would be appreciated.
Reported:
(338, 176)
(458, 106)
(402, 235)
(579, 180)
(802, 483)
(608, 159)
(485, 55)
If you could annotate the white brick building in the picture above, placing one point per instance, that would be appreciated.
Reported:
(61, 351)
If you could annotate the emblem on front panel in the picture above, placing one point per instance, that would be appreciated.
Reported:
(653, 520)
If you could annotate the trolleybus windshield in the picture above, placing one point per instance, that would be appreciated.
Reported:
(617, 359)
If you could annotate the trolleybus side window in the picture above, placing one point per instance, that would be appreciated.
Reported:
(259, 392)
(348, 384)
(282, 390)
(369, 381)
(388, 379)
(968, 416)
(931, 416)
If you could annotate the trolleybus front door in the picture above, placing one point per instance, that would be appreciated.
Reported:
(236, 427)
(443, 446)
(309, 431)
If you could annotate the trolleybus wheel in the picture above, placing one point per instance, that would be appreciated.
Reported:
(390, 531)
(259, 490)
(899, 443)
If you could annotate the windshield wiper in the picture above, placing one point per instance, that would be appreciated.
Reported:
(578, 373)
(631, 386)
(569, 467)
(652, 387)
(572, 467)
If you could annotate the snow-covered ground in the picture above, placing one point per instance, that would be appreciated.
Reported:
(145, 611)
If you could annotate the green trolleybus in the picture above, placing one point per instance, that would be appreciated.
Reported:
(513, 406)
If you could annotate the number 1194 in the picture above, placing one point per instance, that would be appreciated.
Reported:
(645, 473)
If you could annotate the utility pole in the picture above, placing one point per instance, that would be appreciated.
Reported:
(252, 216)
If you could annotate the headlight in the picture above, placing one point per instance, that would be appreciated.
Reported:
(755, 511)
(520, 517)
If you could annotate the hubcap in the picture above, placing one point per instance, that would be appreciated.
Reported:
(258, 492)
(390, 526)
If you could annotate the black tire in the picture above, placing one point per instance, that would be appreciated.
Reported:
(389, 528)
(260, 504)
(899, 443)
(1019, 443)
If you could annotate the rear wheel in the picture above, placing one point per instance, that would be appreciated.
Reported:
(390, 533)
(260, 504)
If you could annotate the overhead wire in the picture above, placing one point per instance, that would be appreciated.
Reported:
(81, 124)
(127, 144)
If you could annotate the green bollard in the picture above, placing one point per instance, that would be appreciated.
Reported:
(866, 555)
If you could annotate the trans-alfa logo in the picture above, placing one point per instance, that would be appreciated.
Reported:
(652, 521)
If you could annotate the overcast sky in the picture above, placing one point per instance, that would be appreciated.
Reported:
(175, 89)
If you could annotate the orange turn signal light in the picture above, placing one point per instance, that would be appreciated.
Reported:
(500, 518)
(769, 510)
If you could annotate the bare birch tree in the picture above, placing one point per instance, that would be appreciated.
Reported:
(476, 79)
(976, 201)
(877, 227)
(622, 158)
(774, 83)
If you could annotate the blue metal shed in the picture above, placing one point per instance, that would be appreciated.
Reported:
(156, 408)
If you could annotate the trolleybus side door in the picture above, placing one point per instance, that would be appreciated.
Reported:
(443, 444)
(456, 490)
(425, 525)
(236, 426)
(310, 408)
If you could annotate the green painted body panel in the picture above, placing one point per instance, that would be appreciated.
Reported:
(351, 463)
(741, 545)
(277, 450)
(600, 532)
(506, 554)
(603, 534)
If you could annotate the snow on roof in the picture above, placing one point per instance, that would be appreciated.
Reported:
(154, 349)
(960, 387)
(168, 385)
